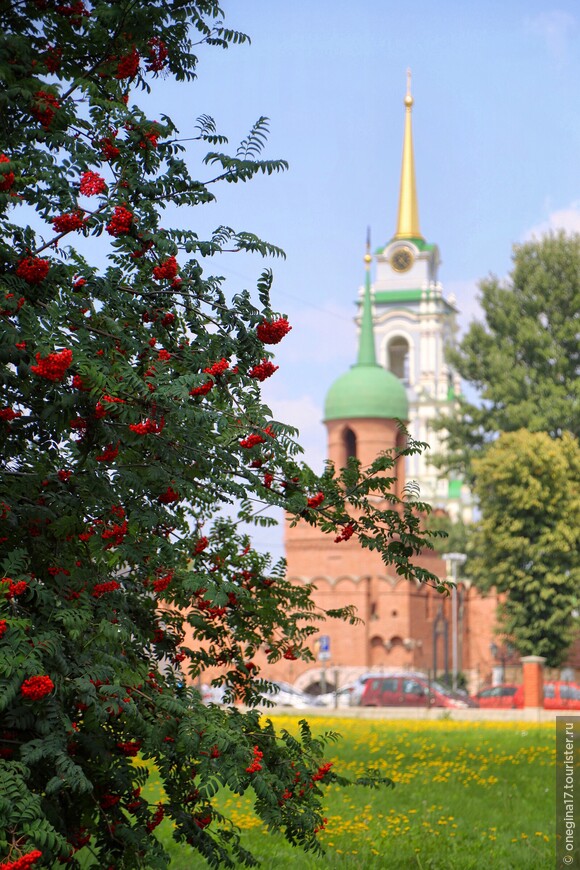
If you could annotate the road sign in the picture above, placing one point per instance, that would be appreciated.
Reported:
(323, 648)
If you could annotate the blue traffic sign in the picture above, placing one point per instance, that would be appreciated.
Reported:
(323, 647)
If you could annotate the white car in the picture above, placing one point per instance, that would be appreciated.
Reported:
(344, 696)
(285, 695)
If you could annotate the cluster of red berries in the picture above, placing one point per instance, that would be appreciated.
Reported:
(91, 184)
(161, 584)
(272, 332)
(322, 771)
(33, 269)
(203, 390)
(15, 587)
(8, 414)
(316, 500)
(23, 862)
(128, 65)
(54, 366)
(263, 370)
(104, 588)
(148, 427)
(109, 150)
(37, 687)
(114, 400)
(321, 826)
(53, 58)
(167, 269)
(130, 748)
(109, 453)
(252, 441)
(8, 177)
(44, 108)
(75, 11)
(157, 54)
(200, 546)
(255, 766)
(109, 800)
(202, 821)
(66, 223)
(121, 222)
(157, 818)
(149, 139)
(346, 533)
(169, 496)
(290, 654)
(3, 627)
(115, 535)
(217, 368)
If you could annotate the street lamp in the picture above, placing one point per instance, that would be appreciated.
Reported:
(454, 559)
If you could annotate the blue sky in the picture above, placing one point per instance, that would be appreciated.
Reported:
(497, 148)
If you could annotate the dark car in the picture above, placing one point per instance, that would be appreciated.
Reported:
(403, 690)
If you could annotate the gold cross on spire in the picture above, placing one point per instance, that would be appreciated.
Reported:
(409, 97)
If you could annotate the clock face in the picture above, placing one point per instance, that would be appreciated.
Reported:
(402, 259)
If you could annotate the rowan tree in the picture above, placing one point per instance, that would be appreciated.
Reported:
(131, 418)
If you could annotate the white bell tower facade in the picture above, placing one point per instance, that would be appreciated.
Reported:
(413, 324)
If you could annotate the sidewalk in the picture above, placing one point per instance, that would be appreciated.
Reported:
(471, 714)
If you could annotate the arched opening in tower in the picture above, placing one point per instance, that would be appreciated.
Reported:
(349, 442)
(398, 358)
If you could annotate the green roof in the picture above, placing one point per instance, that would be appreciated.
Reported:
(367, 391)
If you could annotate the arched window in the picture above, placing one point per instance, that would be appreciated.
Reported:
(398, 358)
(349, 441)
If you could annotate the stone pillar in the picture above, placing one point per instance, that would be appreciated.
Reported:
(533, 667)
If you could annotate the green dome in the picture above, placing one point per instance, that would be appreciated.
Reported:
(366, 391)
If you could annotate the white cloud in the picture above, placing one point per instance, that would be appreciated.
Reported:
(556, 28)
(567, 219)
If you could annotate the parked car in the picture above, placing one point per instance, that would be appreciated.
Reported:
(558, 695)
(285, 695)
(359, 684)
(505, 696)
(344, 696)
(403, 690)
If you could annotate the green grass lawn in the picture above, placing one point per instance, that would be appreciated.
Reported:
(466, 795)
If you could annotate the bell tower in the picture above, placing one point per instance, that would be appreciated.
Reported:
(414, 322)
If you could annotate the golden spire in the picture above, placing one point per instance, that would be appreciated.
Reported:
(408, 217)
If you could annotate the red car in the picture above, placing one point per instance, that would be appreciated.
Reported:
(561, 696)
(506, 696)
(410, 690)
(558, 695)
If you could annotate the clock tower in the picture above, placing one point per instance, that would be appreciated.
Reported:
(414, 323)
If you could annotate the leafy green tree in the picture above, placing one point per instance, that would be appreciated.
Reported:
(524, 357)
(527, 543)
(131, 417)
